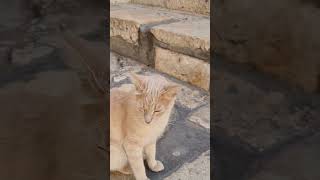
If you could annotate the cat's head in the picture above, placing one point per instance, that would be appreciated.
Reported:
(154, 95)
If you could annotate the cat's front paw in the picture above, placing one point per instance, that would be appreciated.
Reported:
(157, 167)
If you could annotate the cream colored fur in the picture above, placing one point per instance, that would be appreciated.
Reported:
(139, 115)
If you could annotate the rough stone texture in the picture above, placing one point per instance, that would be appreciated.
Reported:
(191, 98)
(277, 36)
(114, 65)
(49, 125)
(5, 55)
(261, 115)
(195, 170)
(186, 68)
(119, 1)
(298, 161)
(126, 22)
(177, 146)
(202, 116)
(256, 116)
(129, 32)
(50, 104)
(29, 53)
(131, 25)
(12, 14)
(190, 36)
(194, 6)
(136, 31)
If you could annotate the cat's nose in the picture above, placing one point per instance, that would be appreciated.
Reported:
(147, 119)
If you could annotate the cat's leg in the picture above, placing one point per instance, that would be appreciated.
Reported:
(154, 165)
(118, 158)
(135, 157)
(126, 170)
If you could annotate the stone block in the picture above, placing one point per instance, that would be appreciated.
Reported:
(182, 67)
(193, 6)
(129, 30)
(190, 36)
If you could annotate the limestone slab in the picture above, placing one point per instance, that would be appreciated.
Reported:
(190, 36)
(29, 53)
(185, 68)
(119, 1)
(194, 6)
(125, 21)
(201, 117)
(299, 161)
(190, 98)
(197, 169)
(258, 111)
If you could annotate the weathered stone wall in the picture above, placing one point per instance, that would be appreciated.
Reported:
(280, 37)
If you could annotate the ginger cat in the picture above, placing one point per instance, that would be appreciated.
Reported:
(139, 115)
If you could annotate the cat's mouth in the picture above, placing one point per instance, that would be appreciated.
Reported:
(148, 121)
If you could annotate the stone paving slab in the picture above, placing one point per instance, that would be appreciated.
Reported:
(261, 114)
(256, 115)
(184, 140)
(126, 21)
(50, 122)
(194, 6)
(297, 161)
(201, 116)
(49, 126)
(190, 36)
(119, 1)
(11, 14)
(198, 169)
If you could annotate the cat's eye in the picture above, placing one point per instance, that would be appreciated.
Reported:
(158, 109)
(141, 108)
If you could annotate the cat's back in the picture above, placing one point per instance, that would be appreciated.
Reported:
(119, 98)
(119, 95)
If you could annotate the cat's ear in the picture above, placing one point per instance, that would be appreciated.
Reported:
(137, 81)
(171, 91)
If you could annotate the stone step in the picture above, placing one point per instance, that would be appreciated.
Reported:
(189, 36)
(192, 6)
(183, 67)
(170, 41)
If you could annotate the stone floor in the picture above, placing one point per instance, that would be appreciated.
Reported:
(257, 118)
(296, 162)
(186, 142)
(50, 114)
(50, 125)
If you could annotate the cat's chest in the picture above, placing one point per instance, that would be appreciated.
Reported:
(154, 133)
